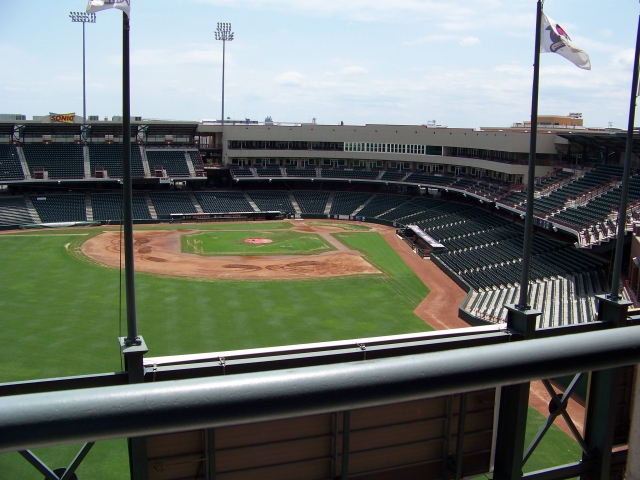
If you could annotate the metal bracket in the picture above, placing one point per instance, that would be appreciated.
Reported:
(223, 364)
(69, 472)
(363, 347)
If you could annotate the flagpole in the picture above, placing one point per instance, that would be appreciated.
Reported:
(528, 221)
(622, 211)
(132, 328)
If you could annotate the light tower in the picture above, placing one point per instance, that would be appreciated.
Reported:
(224, 33)
(83, 18)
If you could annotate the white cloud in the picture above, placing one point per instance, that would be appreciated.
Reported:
(469, 41)
(290, 78)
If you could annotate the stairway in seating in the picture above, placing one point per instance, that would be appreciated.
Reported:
(327, 208)
(87, 164)
(25, 168)
(192, 171)
(194, 200)
(294, 202)
(145, 163)
(152, 209)
(88, 207)
(251, 202)
(32, 210)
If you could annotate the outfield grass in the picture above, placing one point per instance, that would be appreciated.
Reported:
(60, 318)
(283, 242)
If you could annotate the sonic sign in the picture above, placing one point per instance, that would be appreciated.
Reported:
(62, 117)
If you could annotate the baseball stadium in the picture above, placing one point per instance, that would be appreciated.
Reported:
(242, 299)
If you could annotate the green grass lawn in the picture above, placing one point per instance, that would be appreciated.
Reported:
(283, 242)
(61, 318)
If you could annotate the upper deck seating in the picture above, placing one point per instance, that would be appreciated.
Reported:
(173, 162)
(60, 160)
(10, 167)
(109, 157)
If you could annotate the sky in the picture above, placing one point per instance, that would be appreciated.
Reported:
(461, 63)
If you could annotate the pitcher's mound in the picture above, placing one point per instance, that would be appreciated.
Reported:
(257, 240)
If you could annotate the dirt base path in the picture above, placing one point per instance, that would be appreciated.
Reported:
(440, 308)
(158, 251)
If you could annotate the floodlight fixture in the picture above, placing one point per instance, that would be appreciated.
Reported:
(83, 17)
(223, 32)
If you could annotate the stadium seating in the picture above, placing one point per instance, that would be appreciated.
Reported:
(10, 167)
(382, 203)
(108, 206)
(109, 157)
(269, 172)
(223, 202)
(345, 203)
(351, 174)
(60, 160)
(301, 172)
(13, 211)
(196, 160)
(168, 203)
(311, 201)
(173, 161)
(272, 201)
(60, 208)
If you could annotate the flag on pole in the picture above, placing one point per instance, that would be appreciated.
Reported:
(555, 39)
(97, 5)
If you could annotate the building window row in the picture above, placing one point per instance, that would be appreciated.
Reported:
(374, 147)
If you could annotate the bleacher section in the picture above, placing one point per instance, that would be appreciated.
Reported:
(173, 162)
(272, 201)
(61, 160)
(598, 209)
(382, 203)
(168, 203)
(241, 172)
(351, 174)
(345, 203)
(393, 176)
(109, 158)
(196, 160)
(13, 211)
(60, 208)
(269, 172)
(301, 172)
(10, 167)
(311, 201)
(223, 202)
(556, 200)
(108, 206)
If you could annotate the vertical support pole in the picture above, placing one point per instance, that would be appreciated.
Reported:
(462, 416)
(624, 194)
(603, 392)
(447, 438)
(223, 52)
(531, 172)
(633, 456)
(334, 446)
(346, 434)
(132, 328)
(514, 405)
(84, 92)
(210, 441)
(133, 364)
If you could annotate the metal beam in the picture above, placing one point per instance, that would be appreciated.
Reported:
(39, 420)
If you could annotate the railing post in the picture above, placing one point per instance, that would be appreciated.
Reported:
(604, 386)
(133, 364)
(514, 405)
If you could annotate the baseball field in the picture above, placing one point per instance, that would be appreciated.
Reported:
(207, 288)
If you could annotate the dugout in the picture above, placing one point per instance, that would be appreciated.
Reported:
(422, 240)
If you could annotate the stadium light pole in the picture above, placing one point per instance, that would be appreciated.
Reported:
(83, 18)
(223, 32)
